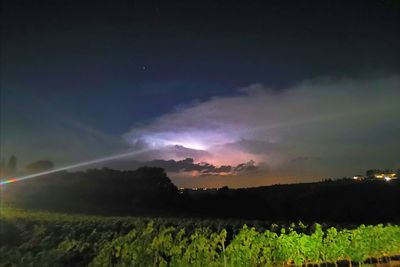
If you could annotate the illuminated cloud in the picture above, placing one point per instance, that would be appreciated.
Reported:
(317, 128)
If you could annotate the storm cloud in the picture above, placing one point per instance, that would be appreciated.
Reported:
(316, 128)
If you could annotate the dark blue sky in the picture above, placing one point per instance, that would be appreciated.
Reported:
(112, 65)
(101, 61)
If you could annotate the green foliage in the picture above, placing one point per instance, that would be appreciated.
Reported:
(46, 239)
(334, 245)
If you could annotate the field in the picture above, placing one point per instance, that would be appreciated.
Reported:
(31, 238)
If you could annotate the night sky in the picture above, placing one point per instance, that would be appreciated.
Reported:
(252, 92)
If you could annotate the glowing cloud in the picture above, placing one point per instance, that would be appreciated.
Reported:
(337, 121)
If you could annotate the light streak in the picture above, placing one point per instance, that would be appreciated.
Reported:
(9, 181)
(73, 166)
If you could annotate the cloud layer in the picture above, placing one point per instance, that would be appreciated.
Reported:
(186, 166)
(323, 127)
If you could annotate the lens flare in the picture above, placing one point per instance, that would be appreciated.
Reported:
(74, 166)
(9, 181)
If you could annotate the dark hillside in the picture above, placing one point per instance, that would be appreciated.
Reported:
(148, 191)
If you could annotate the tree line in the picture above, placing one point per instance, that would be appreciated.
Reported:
(149, 191)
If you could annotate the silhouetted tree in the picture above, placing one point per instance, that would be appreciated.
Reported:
(223, 190)
(40, 166)
(12, 165)
(371, 173)
(2, 168)
(107, 191)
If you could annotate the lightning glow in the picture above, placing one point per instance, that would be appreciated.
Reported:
(73, 166)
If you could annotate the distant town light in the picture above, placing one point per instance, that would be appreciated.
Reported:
(358, 177)
(381, 175)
